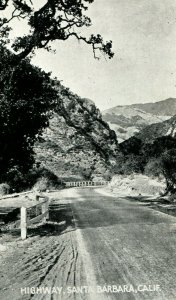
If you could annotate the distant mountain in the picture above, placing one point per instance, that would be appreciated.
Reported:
(151, 132)
(161, 108)
(128, 120)
(145, 148)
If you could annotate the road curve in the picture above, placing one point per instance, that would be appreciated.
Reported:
(95, 247)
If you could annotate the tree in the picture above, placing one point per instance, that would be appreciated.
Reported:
(53, 20)
(128, 164)
(165, 165)
(161, 158)
(168, 163)
(131, 146)
(154, 167)
(28, 95)
(25, 108)
(158, 146)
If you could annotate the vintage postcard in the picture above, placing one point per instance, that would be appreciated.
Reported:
(87, 149)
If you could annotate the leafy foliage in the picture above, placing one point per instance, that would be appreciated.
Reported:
(155, 158)
(128, 164)
(4, 189)
(153, 167)
(27, 95)
(53, 20)
(168, 163)
(26, 105)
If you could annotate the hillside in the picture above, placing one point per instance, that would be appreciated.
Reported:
(148, 136)
(127, 120)
(152, 151)
(77, 143)
(161, 108)
(166, 128)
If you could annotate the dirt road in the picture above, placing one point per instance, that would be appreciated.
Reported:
(95, 247)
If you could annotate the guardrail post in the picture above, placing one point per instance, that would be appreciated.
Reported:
(23, 223)
(37, 197)
(45, 209)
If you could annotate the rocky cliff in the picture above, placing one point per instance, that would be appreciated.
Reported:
(77, 143)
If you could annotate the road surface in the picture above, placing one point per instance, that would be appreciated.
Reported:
(97, 247)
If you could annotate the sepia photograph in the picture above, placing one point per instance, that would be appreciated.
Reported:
(87, 149)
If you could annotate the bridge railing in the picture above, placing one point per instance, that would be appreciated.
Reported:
(85, 183)
(40, 212)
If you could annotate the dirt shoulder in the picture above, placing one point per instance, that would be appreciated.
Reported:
(49, 257)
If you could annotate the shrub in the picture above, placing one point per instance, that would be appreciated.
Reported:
(44, 179)
(4, 189)
(42, 184)
(153, 168)
(20, 181)
(16, 179)
(172, 197)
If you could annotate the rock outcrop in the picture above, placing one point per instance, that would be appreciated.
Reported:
(77, 143)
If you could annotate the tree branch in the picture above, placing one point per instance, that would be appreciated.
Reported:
(20, 15)
(55, 20)
(3, 4)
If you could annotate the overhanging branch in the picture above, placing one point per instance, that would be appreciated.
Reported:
(3, 4)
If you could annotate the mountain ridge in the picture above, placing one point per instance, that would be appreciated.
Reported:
(128, 120)
(145, 105)
(153, 131)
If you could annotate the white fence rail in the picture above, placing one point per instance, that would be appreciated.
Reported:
(25, 220)
(85, 183)
(15, 195)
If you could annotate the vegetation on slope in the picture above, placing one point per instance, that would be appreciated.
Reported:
(156, 157)
(28, 97)
(128, 120)
(78, 143)
(28, 101)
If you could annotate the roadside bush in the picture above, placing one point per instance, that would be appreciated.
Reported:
(19, 181)
(42, 184)
(16, 179)
(4, 189)
(173, 197)
(44, 179)
(153, 168)
(86, 173)
(107, 175)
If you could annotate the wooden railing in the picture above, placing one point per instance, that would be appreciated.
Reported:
(85, 183)
(26, 219)
(15, 195)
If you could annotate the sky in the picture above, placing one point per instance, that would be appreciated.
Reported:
(144, 66)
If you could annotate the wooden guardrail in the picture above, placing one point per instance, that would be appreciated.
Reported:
(85, 183)
(27, 220)
(14, 195)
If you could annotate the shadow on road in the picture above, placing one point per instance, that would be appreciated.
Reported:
(147, 199)
(97, 210)
(92, 210)
(60, 220)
